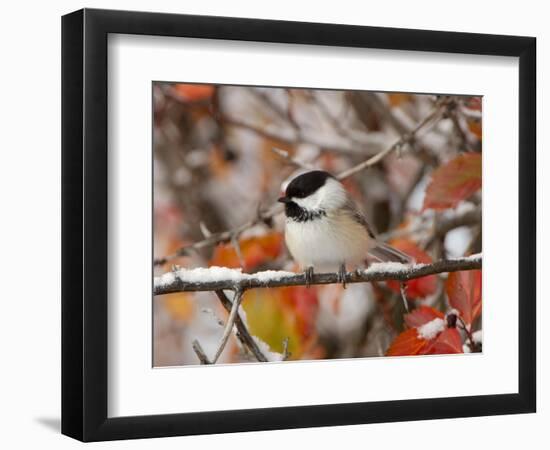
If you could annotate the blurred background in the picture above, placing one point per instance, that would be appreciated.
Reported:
(221, 157)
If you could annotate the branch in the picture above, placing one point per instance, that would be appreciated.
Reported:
(218, 278)
(242, 331)
(291, 159)
(293, 136)
(406, 138)
(226, 236)
(230, 322)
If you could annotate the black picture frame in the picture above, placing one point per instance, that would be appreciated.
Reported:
(84, 224)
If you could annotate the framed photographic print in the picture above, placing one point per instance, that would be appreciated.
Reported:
(273, 224)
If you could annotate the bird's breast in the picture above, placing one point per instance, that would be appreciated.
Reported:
(327, 241)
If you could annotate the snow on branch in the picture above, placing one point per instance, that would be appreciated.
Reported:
(220, 278)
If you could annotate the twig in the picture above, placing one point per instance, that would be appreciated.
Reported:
(238, 251)
(197, 347)
(403, 290)
(468, 333)
(185, 280)
(230, 323)
(291, 159)
(283, 114)
(286, 353)
(242, 331)
(226, 236)
(292, 136)
(407, 138)
(442, 227)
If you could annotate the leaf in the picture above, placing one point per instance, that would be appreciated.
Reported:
(419, 287)
(464, 291)
(255, 251)
(303, 304)
(475, 127)
(398, 99)
(193, 92)
(271, 321)
(180, 305)
(407, 343)
(421, 316)
(453, 182)
(448, 341)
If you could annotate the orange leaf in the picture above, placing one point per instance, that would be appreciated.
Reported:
(419, 287)
(398, 99)
(448, 341)
(421, 316)
(194, 92)
(464, 292)
(180, 305)
(407, 343)
(475, 127)
(453, 182)
(255, 251)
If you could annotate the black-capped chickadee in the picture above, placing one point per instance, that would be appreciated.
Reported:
(325, 230)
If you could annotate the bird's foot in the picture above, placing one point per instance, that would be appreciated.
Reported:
(309, 276)
(342, 275)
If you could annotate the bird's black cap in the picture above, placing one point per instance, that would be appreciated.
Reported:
(306, 184)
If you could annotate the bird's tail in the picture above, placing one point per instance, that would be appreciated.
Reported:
(386, 253)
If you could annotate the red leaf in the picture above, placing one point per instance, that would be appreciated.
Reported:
(419, 287)
(194, 92)
(407, 343)
(422, 315)
(453, 182)
(464, 292)
(448, 341)
(255, 251)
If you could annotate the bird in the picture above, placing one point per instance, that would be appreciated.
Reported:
(325, 230)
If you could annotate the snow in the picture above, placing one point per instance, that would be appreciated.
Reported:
(266, 350)
(271, 275)
(164, 280)
(458, 240)
(431, 329)
(390, 267)
(218, 274)
(215, 273)
(477, 336)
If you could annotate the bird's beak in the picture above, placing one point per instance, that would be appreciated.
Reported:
(284, 200)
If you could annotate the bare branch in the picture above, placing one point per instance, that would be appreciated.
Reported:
(292, 160)
(197, 347)
(242, 331)
(230, 323)
(226, 236)
(406, 138)
(232, 279)
(403, 291)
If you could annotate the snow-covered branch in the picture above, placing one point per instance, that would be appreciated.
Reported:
(219, 278)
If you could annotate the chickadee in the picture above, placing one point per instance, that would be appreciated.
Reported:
(325, 230)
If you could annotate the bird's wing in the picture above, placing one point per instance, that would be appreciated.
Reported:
(356, 215)
(380, 250)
